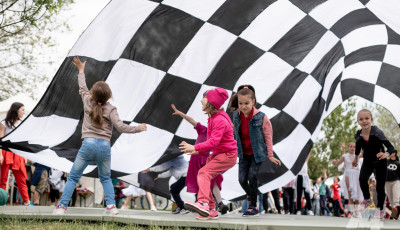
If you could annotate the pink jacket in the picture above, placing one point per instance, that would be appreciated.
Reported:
(220, 138)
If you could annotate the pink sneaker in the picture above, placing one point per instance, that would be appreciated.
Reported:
(213, 216)
(199, 207)
(59, 210)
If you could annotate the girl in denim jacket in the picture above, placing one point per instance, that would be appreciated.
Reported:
(253, 132)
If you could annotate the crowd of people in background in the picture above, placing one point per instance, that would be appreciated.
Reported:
(371, 168)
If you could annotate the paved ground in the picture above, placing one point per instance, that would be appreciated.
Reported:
(228, 221)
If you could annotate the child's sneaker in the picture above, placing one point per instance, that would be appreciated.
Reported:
(59, 210)
(153, 208)
(124, 207)
(111, 210)
(177, 210)
(252, 211)
(365, 204)
(199, 207)
(379, 214)
(223, 208)
(213, 216)
(184, 211)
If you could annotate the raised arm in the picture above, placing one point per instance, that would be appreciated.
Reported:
(324, 171)
(83, 89)
(343, 146)
(184, 116)
(337, 163)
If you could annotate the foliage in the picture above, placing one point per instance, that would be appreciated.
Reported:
(386, 122)
(26, 28)
(338, 127)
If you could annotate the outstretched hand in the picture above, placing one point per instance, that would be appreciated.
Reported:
(77, 62)
(275, 161)
(143, 127)
(176, 111)
(187, 148)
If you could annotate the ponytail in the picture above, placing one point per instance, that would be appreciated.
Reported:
(100, 92)
(96, 115)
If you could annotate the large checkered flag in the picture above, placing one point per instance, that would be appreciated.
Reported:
(303, 57)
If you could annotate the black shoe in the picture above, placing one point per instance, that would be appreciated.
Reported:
(223, 209)
(252, 211)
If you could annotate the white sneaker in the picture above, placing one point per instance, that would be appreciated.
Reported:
(153, 208)
(310, 213)
(59, 210)
(184, 211)
(124, 207)
(298, 213)
(112, 210)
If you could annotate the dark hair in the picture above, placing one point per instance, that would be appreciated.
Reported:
(100, 92)
(242, 90)
(12, 114)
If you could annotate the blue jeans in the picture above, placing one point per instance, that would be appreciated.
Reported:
(92, 149)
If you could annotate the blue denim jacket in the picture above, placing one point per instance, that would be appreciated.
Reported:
(256, 136)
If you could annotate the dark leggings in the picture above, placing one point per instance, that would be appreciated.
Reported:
(367, 169)
(288, 195)
(176, 189)
(248, 170)
(300, 190)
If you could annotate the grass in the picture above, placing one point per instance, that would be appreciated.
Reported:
(36, 224)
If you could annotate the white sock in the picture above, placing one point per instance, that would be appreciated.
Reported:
(110, 206)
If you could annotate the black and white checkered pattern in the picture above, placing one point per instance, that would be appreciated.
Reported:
(303, 57)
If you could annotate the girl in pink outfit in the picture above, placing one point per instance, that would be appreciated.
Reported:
(198, 161)
(221, 141)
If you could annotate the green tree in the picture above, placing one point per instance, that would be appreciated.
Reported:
(26, 27)
(338, 127)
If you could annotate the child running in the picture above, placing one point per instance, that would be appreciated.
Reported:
(371, 139)
(221, 141)
(98, 121)
(351, 177)
(197, 161)
(253, 132)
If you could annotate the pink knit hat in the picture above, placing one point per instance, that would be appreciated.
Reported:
(217, 97)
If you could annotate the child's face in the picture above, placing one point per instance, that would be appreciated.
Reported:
(335, 180)
(245, 104)
(364, 119)
(319, 180)
(204, 101)
(352, 148)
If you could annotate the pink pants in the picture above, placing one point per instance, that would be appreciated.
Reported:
(216, 164)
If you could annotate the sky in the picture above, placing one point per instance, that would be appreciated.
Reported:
(79, 15)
